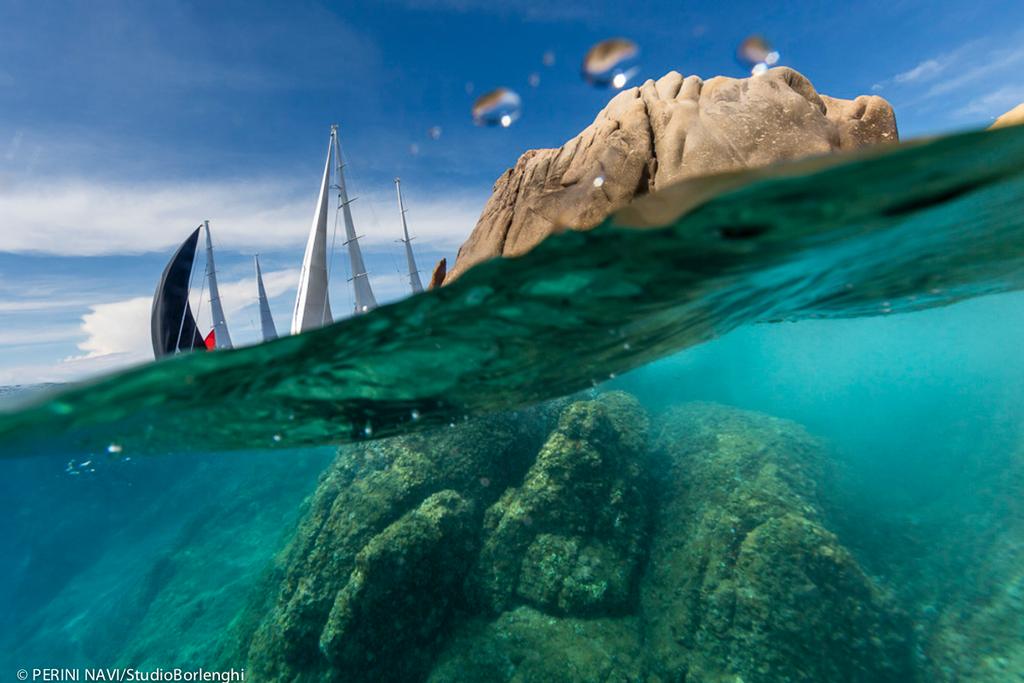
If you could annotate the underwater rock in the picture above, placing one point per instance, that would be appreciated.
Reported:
(528, 646)
(388, 617)
(661, 132)
(973, 621)
(352, 518)
(743, 579)
(1014, 117)
(570, 539)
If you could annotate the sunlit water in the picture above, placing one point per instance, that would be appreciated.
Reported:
(160, 551)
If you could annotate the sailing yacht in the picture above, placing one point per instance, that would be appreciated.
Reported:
(312, 304)
(173, 326)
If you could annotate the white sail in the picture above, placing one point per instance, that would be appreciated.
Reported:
(360, 278)
(266, 319)
(220, 324)
(312, 307)
(414, 273)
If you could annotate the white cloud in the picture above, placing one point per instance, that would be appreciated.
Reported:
(994, 103)
(120, 327)
(926, 70)
(84, 218)
(996, 62)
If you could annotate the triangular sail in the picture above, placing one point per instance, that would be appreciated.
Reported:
(172, 325)
(220, 323)
(266, 319)
(414, 273)
(360, 278)
(312, 307)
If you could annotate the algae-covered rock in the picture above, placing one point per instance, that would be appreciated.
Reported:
(366, 490)
(743, 580)
(528, 646)
(570, 539)
(386, 620)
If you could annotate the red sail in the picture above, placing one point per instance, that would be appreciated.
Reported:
(211, 339)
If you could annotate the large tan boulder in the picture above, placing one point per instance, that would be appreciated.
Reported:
(660, 133)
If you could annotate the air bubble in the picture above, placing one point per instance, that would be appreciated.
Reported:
(435, 132)
(599, 181)
(415, 415)
(114, 448)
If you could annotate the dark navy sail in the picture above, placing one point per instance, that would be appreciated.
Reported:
(172, 324)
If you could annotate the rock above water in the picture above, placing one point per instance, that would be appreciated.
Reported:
(1014, 117)
(662, 132)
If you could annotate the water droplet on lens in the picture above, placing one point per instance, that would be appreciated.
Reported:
(114, 448)
(435, 132)
(549, 58)
(485, 482)
(599, 181)
(470, 87)
(414, 149)
(499, 107)
(611, 63)
(757, 53)
(534, 80)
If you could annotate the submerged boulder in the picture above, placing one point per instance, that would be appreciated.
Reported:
(528, 646)
(374, 513)
(388, 618)
(662, 132)
(743, 580)
(570, 539)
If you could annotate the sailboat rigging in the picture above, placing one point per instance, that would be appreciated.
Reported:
(267, 326)
(414, 273)
(312, 303)
(221, 336)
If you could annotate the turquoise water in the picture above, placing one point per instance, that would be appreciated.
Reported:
(586, 464)
(910, 228)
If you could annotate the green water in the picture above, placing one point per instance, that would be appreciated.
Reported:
(913, 227)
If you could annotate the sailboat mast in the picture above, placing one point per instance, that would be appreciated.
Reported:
(414, 273)
(360, 279)
(220, 324)
(266, 319)
(312, 303)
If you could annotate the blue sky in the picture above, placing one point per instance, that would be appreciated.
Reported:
(124, 124)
